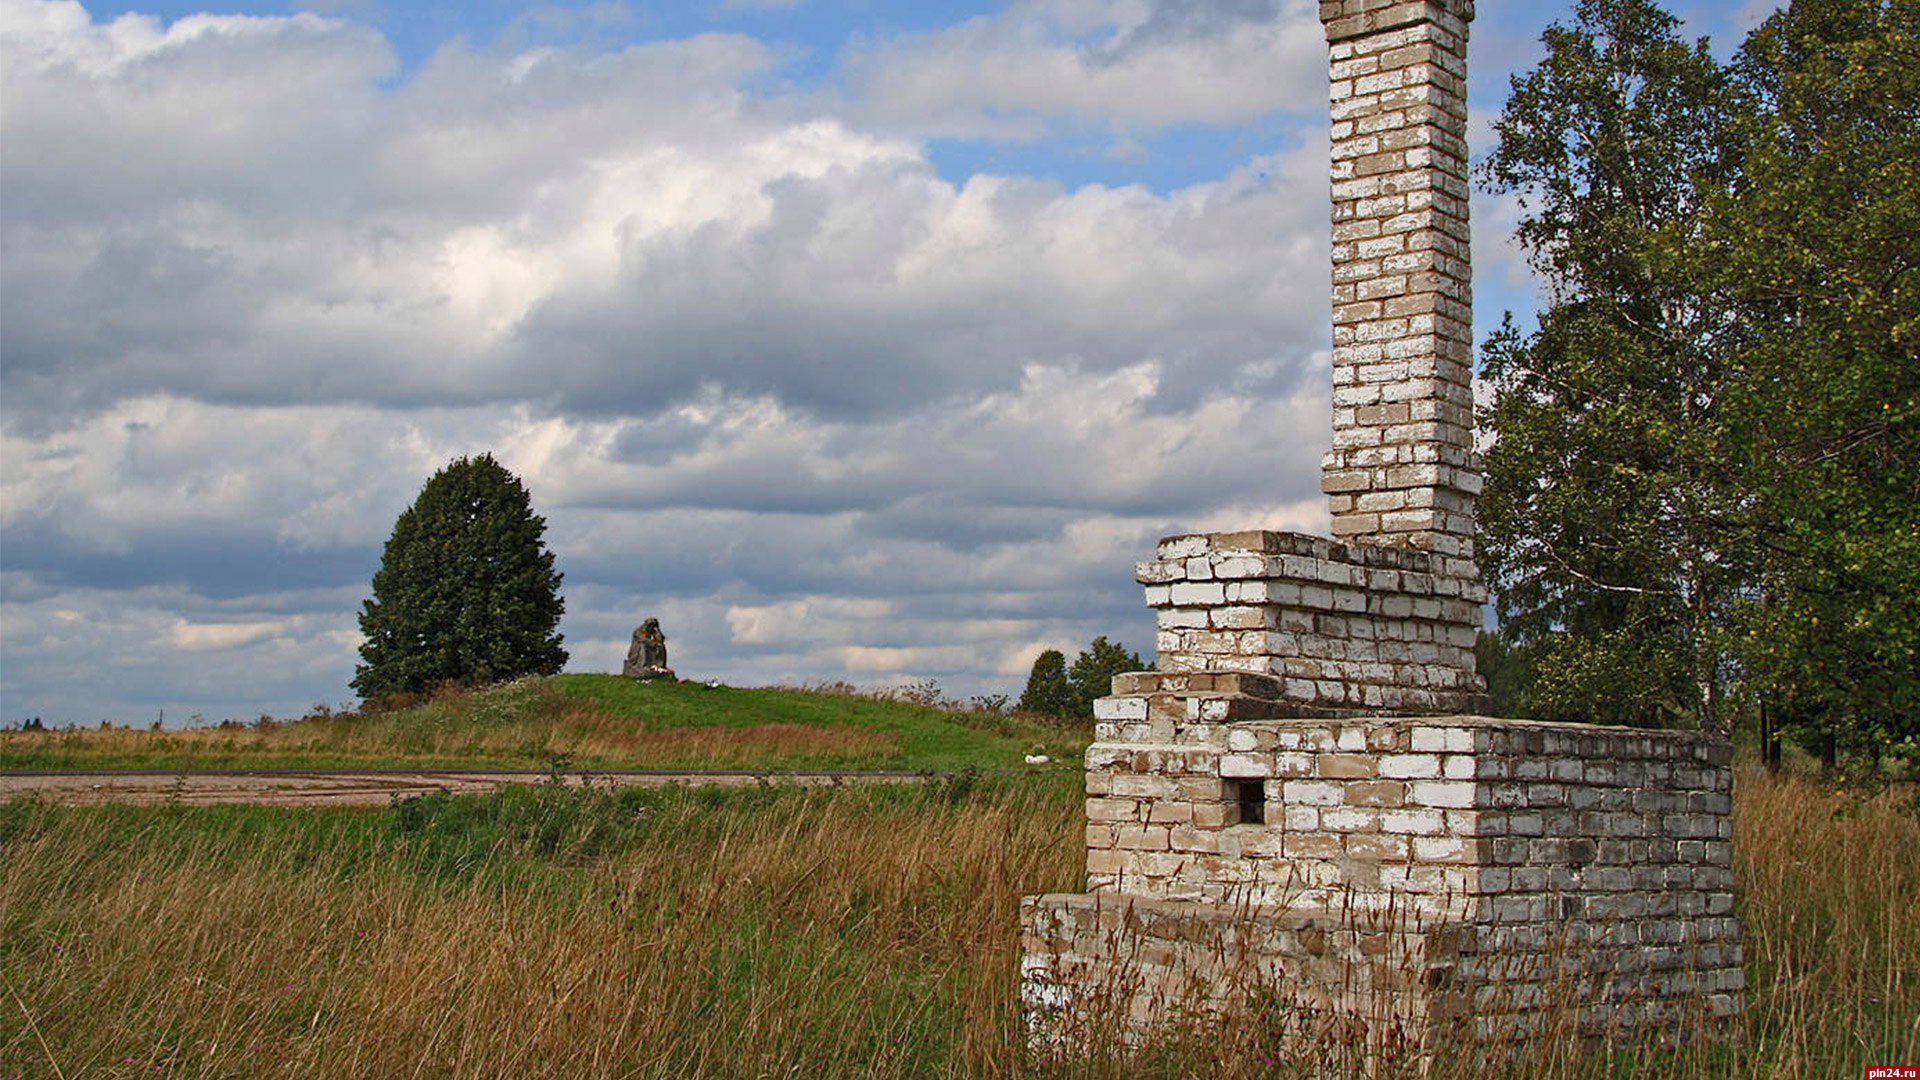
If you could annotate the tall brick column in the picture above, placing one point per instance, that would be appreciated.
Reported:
(1297, 806)
(1402, 472)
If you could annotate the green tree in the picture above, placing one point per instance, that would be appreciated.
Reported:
(1704, 484)
(1602, 527)
(1092, 672)
(466, 591)
(1047, 692)
(1819, 249)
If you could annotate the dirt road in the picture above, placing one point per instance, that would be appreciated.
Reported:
(285, 787)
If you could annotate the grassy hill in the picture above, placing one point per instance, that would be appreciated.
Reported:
(587, 721)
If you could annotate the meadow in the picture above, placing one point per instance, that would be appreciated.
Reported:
(587, 721)
(771, 931)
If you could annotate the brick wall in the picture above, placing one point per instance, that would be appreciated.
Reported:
(1586, 865)
(1344, 627)
(1278, 809)
(1401, 471)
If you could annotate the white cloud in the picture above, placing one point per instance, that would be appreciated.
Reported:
(1125, 63)
(767, 374)
(219, 637)
(616, 231)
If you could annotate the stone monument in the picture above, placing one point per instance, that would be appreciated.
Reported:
(647, 655)
(1300, 804)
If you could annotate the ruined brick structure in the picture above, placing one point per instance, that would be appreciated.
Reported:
(1299, 803)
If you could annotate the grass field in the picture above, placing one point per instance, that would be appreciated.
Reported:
(594, 721)
(764, 932)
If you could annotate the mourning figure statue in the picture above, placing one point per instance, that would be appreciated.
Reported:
(647, 656)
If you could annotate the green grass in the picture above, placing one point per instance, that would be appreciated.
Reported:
(543, 931)
(861, 931)
(592, 721)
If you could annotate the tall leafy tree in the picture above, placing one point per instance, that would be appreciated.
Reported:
(466, 591)
(1048, 693)
(1819, 249)
(1602, 523)
(1055, 688)
(1705, 489)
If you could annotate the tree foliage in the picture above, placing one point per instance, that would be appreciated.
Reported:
(1703, 488)
(1047, 692)
(466, 591)
(1819, 249)
(1055, 688)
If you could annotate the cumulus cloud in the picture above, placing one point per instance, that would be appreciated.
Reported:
(768, 374)
(1127, 64)
(605, 232)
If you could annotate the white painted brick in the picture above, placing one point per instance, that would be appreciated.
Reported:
(1198, 593)
(1429, 740)
(1249, 592)
(1350, 819)
(1313, 793)
(1242, 566)
(1182, 547)
(1246, 765)
(1181, 618)
(1410, 766)
(1413, 822)
(1455, 793)
(1439, 849)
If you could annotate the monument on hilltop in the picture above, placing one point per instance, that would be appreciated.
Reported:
(647, 653)
(1300, 802)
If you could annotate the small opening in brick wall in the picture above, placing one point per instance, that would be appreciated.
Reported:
(1249, 798)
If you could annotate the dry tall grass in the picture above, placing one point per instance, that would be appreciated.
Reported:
(838, 932)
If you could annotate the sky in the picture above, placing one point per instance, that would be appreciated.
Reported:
(855, 340)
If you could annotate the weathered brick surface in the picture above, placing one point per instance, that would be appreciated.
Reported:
(1282, 807)
(1345, 627)
(1401, 472)
(1592, 866)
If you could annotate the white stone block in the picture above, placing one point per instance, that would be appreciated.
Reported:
(1177, 618)
(1439, 849)
(1409, 766)
(1248, 592)
(1200, 594)
(1455, 793)
(1120, 708)
(1242, 566)
(1350, 819)
(1293, 764)
(1413, 822)
(1313, 793)
(1247, 766)
(1158, 572)
(1182, 547)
